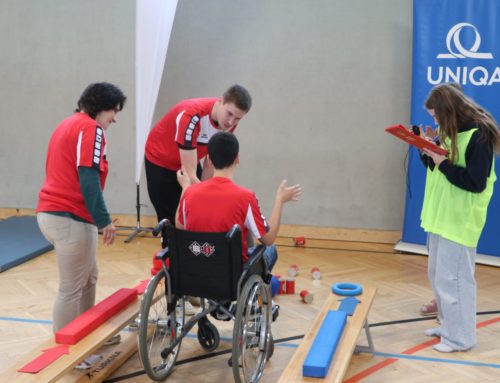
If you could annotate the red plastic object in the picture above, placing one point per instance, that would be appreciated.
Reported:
(141, 287)
(299, 241)
(406, 135)
(290, 286)
(156, 262)
(282, 286)
(88, 321)
(306, 296)
(49, 356)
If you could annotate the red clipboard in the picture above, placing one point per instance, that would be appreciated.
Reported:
(418, 141)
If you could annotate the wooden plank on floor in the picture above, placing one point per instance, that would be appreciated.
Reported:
(77, 352)
(112, 358)
(345, 348)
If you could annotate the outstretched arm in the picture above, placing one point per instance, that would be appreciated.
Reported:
(284, 194)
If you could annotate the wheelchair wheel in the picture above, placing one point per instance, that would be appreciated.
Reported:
(251, 333)
(208, 336)
(270, 350)
(158, 329)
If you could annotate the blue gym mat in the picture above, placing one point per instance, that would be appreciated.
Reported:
(20, 241)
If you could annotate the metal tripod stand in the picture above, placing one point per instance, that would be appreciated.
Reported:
(137, 229)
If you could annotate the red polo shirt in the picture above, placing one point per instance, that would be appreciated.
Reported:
(217, 204)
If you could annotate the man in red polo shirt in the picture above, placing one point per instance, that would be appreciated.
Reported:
(180, 138)
(215, 205)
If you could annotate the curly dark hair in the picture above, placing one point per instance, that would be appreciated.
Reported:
(100, 97)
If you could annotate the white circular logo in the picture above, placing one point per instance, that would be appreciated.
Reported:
(461, 52)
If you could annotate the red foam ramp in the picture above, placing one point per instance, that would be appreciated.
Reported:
(88, 321)
(48, 357)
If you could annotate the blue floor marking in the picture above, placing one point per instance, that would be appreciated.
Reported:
(38, 321)
(439, 360)
(291, 345)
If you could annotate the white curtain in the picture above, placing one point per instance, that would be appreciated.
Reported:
(154, 20)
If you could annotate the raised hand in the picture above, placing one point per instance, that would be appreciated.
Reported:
(288, 193)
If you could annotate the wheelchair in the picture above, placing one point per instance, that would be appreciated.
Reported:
(209, 266)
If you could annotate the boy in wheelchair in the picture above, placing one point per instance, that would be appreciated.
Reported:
(216, 204)
(209, 258)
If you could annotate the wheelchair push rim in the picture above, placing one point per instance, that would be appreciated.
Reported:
(158, 329)
(251, 333)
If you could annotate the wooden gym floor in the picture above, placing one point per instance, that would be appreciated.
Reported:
(402, 352)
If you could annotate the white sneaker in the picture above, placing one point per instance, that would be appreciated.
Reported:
(441, 347)
(435, 331)
(189, 310)
(89, 362)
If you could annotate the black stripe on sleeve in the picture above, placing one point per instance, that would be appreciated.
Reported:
(188, 136)
(98, 148)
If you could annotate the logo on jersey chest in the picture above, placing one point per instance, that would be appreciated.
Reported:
(207, 130)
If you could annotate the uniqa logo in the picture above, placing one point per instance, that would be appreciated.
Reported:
(478, 75)
(454, 34)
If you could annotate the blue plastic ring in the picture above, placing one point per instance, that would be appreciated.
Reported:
(347, 289)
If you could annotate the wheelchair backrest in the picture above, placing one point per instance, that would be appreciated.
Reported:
(205, 265)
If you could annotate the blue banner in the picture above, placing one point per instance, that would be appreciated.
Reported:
(453, 41)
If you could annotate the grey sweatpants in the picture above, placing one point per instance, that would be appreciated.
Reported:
(75, 245)
(451, 274)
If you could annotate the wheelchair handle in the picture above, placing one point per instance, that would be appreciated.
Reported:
(159, 228)
(231, 233)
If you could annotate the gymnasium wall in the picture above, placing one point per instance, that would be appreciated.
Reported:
(326, 76)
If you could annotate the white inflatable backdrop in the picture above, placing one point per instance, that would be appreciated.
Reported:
(154, 20)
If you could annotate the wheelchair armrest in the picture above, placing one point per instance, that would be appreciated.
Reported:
(255, 257)
(252, 266)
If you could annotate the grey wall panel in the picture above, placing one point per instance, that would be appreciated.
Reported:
(51, 50)
(327, 76)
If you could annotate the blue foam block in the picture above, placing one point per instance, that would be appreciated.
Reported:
(20, 241)
(275, 286)
(323, 348)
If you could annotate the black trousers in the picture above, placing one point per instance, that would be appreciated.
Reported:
(164, 190)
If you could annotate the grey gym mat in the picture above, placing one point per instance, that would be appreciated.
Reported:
(20, 241)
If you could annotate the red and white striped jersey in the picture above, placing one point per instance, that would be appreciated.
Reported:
(188, 125)
(217, 204)
(76, 141)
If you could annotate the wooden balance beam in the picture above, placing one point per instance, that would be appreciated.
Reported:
(62, 369)
(346, 346)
